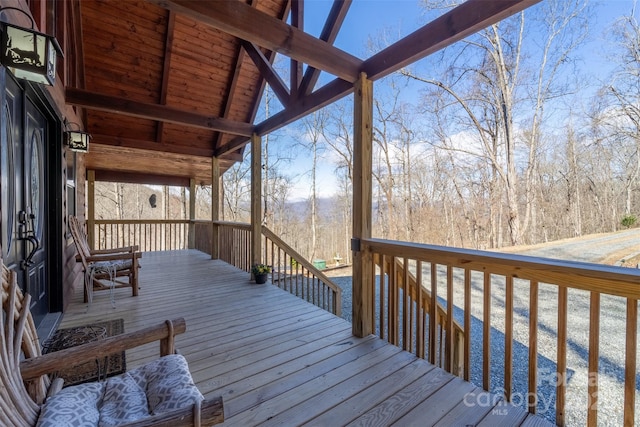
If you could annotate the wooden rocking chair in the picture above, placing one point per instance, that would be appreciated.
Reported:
(27, 397)
(103, 267)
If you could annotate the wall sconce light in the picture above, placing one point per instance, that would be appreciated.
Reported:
(77, 140)
(27, 53)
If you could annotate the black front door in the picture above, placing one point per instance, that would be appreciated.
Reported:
(24, 205)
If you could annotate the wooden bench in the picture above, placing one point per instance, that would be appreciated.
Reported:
(26, 393)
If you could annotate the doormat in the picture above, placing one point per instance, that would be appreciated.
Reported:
(93, 370)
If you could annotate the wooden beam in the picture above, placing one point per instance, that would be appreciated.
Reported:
(363, 292)
(295, 74)
(114, 104)
(141, 178)
(332, 26)
(480, 13)
(231, 88)
(256, 199)
(247, 23)
(166, 69)
(267, 71)
(466, 19)
(324, 96)
(165, 147)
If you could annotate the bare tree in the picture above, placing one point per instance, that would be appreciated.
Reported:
(313, 126)
(618, 113)
(493, 79)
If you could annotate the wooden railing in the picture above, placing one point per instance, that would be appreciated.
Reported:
(150, 235)
(202, 236)
(400, 293)
(293, 273)
(290, 270)
(234, 244)
(523, 292)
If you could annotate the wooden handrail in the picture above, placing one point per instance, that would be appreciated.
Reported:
(143, 221)
(605, 279)
(493, 277)
(300, 259)
(239, 225)
(35, 367)
(320, 283)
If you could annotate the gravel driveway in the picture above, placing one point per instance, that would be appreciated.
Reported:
(594, 248)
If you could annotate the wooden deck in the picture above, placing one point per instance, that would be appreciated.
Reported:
(278, 360)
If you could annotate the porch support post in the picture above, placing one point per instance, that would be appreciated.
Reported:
(215, 207)
(256, 198)
(192, 213)
(362, 172)
(91, 208)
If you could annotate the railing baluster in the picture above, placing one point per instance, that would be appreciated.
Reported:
(508, 338)
(467, 324)
(630, 362)
(433, 316)
(373, 300)
(383, 333)
(449, 334)
(411, 295)
(533, 347)
(420, 312)
(405, 306)
(393, 302)
(486, 333)
(594, 356)
(561, 370)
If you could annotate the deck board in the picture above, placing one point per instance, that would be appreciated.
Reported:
(278, 360)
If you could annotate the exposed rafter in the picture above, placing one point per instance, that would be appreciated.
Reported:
(113, 104)
(266, 69)
(466, 19)
(295, 73)
(247, 23)
(168, 50)
(332, 26)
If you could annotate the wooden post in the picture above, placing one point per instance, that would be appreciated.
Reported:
(256, 198)
(192, 213)
(91, 208)
(362, 172)
(215, 207)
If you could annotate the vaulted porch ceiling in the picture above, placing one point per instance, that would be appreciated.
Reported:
(164, 85)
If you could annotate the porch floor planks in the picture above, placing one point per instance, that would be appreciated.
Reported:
(278, 360)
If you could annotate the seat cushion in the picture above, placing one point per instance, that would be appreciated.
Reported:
(124, 401)
(73, 406)
(158, 387)
(168, 384)
(117, 265)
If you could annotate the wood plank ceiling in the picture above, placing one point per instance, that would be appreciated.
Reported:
(168, 84)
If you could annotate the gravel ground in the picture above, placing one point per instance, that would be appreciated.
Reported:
(612, 337)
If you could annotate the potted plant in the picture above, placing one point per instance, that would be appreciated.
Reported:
(260, 272)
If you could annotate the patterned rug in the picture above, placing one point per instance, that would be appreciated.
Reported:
(95, 369)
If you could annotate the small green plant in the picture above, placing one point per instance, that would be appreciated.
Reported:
(629, 220)
(258, 269)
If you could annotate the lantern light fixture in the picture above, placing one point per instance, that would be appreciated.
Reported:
(77, 140)
(27, 53)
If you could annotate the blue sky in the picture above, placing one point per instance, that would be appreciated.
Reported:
(369, 18)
